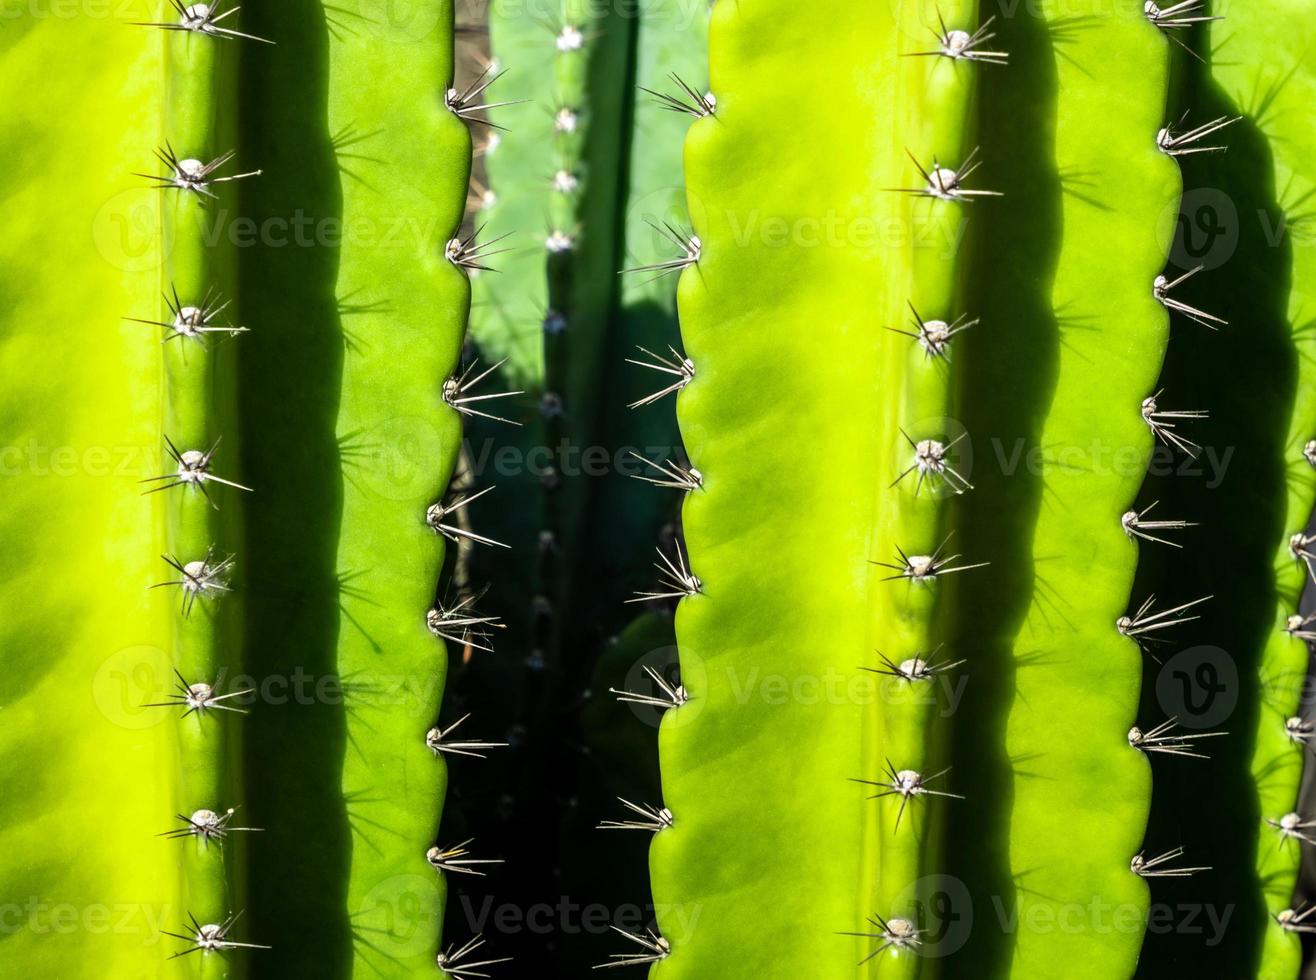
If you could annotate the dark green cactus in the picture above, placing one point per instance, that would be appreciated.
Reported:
(985, 527)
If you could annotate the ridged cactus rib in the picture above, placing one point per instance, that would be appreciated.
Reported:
(782, 319)
(195, 170)
(393, 785)
(1077, 674)
(1261, 61)
(923, 457)
(86, 645)
(350, 408)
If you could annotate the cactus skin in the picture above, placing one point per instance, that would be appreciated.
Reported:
(393, 787)
(338, 566)
(371, 325)
(85, 643)
(1076, 678)
(734, 287)
(933, 120)
(198, 413)
(1262, 65)
(787, 341)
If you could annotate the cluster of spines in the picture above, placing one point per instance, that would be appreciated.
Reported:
(195, 319)
(928, 478)
(467, 392)
(676, 580)
(1146, 624)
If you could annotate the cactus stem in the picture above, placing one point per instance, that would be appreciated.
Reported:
(450, 960)
(916, 668)
(193, 175)
(201, 579)
(466, 103)
(1165, 740)
(1292, 826)
(193, 471)
(655, 948)
(897, 934)
(930, 461)
(674, 576)
(689, 244)
(908, 785)
(945, 184)
(1161, 287)
(693, 104)
(202, 18)
(443, 622)
(1293, 920)
(467, 253)
(673, 697)
(211, 938)
(925, 568)
(653, 819)
(193, 322)
(1144, 621)
(1136, 525)
(1165, 430)
(1178, 144)
(934, 336)
(1146, 867)
(960, 45)
(434, 738)
(437, 513)
(199, 697)
(674, 476)
(682, 368)
(455, 392)
(207, 825)
(1296, 626)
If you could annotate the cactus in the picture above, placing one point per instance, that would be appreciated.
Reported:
(993, 351)
(362, 357)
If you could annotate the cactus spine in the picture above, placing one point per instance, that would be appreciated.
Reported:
(196, 170)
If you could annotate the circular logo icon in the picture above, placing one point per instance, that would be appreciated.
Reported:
(401, 915)
(942, 909)
(126, 231)
(397, 459)
(130, 679)
(1198, 686)
(1205, 229)
(683, 674)
(402, 21)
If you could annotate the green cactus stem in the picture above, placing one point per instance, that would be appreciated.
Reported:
(363, 374)
(783, 330)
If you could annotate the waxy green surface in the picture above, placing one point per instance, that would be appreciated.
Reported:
(1261, 61)
(86, 645)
